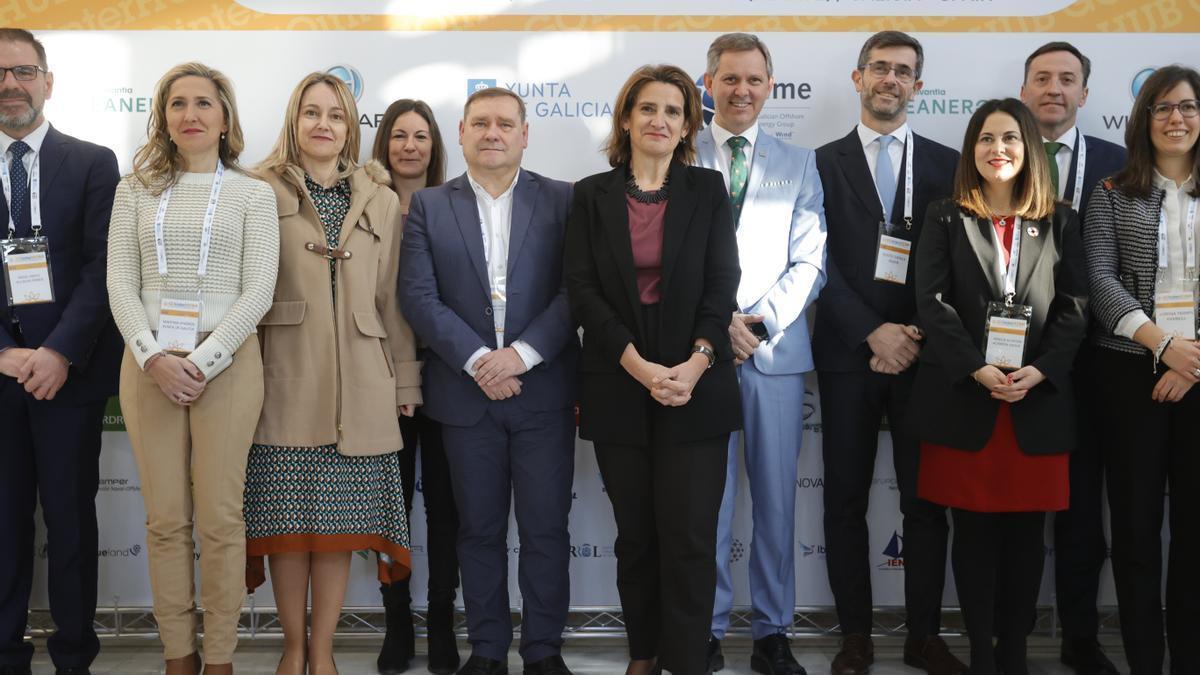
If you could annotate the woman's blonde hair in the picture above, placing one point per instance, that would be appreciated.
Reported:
(286, 153)
(157, 163)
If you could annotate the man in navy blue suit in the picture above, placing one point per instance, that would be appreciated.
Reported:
(878, 180)
(58, 363)
(1055, 88)
(481, 284)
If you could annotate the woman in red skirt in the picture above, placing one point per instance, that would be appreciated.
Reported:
(1001, 290)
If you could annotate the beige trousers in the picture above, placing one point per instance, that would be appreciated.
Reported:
(193, 461)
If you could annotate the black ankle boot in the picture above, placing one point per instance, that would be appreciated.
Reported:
(399, 644)
(443, 650)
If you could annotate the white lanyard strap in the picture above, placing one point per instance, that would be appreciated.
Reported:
(160, 245)
(35, 203)
(1014, 256)
(908, 180)
(1189, 235)
(1081, 152)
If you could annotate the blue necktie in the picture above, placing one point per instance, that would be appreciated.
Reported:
(19, 180)
(884, 180)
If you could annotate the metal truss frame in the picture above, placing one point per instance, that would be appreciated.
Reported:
(583, 622)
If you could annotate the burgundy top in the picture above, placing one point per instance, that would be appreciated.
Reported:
(646, 238)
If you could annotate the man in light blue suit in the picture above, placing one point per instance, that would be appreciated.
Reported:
(778, 206)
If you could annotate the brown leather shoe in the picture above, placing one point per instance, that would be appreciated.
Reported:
(856, 656)
(932, 655)
(187, 665)
(218, 669)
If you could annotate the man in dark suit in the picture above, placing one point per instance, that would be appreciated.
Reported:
(865, 343)
(481, 284)
(58, 364)
(1055, 88)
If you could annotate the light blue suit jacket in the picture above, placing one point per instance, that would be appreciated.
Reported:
(781, 245)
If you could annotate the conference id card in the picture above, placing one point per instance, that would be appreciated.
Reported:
(1175, 313)
(1005, 334)
(891, 258)
(27, 271)
(178, 325)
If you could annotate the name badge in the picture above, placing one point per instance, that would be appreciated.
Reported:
(891, 258)
(499, 301)
(178, 325)
(1004, 335)
(27, 271)
(1175, 314)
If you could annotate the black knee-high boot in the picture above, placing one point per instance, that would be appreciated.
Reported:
(399, 644)
(439, 626)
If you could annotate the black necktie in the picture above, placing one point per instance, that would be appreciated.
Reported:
(19, 180)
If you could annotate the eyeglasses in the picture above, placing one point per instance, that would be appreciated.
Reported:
(881, 69)
(22, 73)
(1188, 108)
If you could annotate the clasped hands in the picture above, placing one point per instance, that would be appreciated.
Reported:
(1008, 387)
(669, 386)
(42, 371)
(1183, 359)
(894, 348)
(179, 379)
(496, 373)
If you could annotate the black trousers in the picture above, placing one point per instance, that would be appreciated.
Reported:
(997, 560)
(1079, 544)
(666, 498)
(852, 405)
(423, 434)
(50, 452)
(1149, 448)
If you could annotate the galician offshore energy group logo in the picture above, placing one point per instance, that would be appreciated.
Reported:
(352, 78)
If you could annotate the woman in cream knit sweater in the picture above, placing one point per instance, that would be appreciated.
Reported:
(193, 253)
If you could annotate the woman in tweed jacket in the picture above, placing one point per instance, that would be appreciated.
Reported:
(1141, 255)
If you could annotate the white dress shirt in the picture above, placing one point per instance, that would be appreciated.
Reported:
(721, 138)
(33, 139)
(1175, 204)
(1063, 158)
(870, 142)
(495, 220)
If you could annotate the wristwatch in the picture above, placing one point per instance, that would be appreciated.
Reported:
(708, 353)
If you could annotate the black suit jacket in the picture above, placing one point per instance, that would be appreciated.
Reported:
(1103, 160)
(77, 184)
(700, 274)
(853, 303)
(956, 279)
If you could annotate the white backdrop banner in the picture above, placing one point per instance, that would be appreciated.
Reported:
(104, 79)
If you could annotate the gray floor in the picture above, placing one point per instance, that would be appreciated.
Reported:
(356, 656)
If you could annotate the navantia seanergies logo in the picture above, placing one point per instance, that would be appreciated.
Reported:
(786, 91)
(546, 99)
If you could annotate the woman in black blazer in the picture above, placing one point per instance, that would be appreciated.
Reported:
(993, 402)
(1149, 362)
(652, 272)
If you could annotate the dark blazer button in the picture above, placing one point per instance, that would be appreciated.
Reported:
(487, 310)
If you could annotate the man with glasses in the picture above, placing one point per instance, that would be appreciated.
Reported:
(1055, 88)
(59, 359)
(878, 180)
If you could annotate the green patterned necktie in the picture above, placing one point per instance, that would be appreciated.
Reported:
(1052, 154)
(738, 173)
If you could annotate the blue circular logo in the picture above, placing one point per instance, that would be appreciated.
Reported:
(1138, 80)
(707, 105)
(352, 78)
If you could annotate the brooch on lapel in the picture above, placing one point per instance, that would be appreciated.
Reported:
(1032, 231)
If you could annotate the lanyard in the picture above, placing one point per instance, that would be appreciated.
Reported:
(205, 234)
(35, 203)
(1189, 248)
(1014, 256)
(1081, 151)
(908, 180)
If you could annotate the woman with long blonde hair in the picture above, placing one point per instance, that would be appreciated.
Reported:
(340, 367)
(192, 255)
